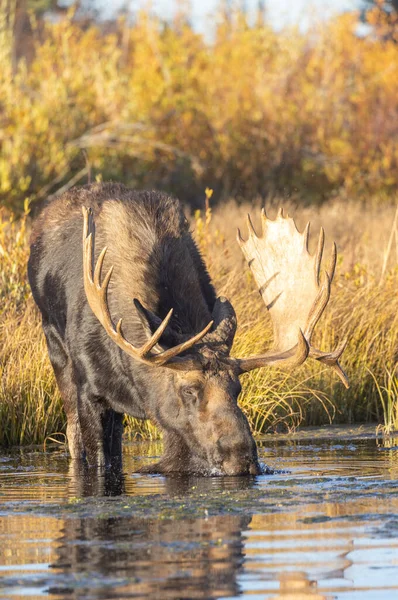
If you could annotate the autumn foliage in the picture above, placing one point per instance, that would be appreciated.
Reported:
(250, 112)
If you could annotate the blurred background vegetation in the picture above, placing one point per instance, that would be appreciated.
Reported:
(251, 112)
(304, 117)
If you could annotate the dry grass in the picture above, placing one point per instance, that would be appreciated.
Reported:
(30, 407)
(363, 307)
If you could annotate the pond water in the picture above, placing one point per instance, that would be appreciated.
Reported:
(323, 526)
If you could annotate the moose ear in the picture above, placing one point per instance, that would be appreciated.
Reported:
(224, 328)
(151, 322)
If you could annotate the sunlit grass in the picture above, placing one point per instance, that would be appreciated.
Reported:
(30, 406)
(363, 308)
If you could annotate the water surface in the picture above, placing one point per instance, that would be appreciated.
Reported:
(323, 526)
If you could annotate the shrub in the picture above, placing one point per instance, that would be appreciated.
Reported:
(254, 112)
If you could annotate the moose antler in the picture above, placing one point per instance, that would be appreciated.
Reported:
(291, 283)
(96, 293)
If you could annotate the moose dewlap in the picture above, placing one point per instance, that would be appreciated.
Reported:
(133, 324)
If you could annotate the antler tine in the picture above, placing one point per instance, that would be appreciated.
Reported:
(264, 221)
(289, 360)
(172, 352)
(332, 262)
(331, 359)
(239, 238)
(306, 234)
(153, 340)
(97, 292)
(319, 254)
(252, 231)
(98, 268)
(86, 213)
(318, 307)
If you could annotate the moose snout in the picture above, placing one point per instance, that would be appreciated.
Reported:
(238, 459)
(241, 466)
(234, 469)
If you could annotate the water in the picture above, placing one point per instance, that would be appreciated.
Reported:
(324, 526)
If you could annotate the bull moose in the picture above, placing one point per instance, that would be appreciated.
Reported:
(168, 356)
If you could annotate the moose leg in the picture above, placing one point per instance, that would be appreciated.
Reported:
(101, 429)
(63, 370)
(90, 410)
(112, 423)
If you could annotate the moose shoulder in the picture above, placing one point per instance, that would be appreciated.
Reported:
(133, 324)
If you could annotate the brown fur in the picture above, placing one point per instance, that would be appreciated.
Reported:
(155, 261)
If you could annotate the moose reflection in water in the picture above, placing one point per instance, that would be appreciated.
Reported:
(173, 558)
(85, 481)
(150, 558)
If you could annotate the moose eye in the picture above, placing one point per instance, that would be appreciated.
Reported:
(190, 393)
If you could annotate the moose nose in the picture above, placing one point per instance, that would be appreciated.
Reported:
(238, 456)
(254, 469)
(246, 467)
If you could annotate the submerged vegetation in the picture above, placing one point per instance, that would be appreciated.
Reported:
(363, 307)
(253, 113)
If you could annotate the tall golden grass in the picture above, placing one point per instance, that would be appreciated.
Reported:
(254, 111)
(30, 407)
(364, 307)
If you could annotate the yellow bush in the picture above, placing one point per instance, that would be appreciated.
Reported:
(254, 111)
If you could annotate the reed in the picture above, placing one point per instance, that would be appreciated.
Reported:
(363, 307)
(30, 407)
(388, 395)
